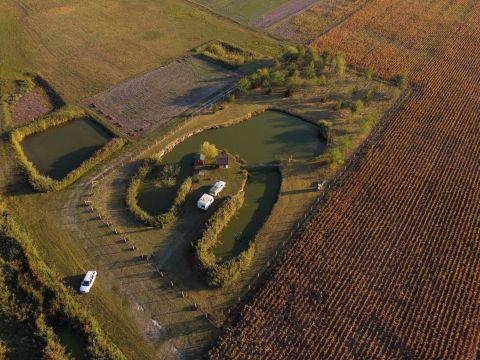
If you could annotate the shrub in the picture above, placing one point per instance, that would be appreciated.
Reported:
(368, 73)
(309, 71)
(228, 54)
(221, 274)
(339, 64)
(356, 106)
(400, 81)
(369, 96)
(324, 98)
(45, 183)
(367, 122)
(244, 86)
(338, 105)
(231, 98)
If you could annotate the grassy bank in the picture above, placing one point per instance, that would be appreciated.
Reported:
(42, 182)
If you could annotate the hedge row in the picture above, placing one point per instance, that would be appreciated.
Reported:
(227, 272)
(134, 188)
(45, 183)
(53, 301)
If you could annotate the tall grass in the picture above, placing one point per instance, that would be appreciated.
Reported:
(41, 182)
(227, 272)
(134, 188)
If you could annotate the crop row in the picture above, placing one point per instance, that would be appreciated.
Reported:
(389, 266)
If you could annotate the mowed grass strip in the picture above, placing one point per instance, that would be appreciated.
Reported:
(84, 47)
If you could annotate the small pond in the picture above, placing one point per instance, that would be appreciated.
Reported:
(263, 139)
(58, 150)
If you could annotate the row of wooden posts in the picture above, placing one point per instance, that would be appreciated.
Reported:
(147, 257)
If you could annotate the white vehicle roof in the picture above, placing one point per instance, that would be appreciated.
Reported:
(89, 275)
(219, 184)
(205, 199)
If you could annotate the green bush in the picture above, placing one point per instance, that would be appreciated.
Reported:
(244, 85)
(134, 188)
(338, 105)
(227, 272)
(400, 81)
(368, 73)
(369, 96)
(45, 183)
(356, 106)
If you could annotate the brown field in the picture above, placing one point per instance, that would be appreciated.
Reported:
(389, 265)
(145, 101)
(394, 37)
(318, 19)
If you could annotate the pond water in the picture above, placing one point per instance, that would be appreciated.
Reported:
(59, 150)
(263, 139)
(74, 346)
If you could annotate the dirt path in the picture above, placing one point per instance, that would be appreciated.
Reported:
(282, 13)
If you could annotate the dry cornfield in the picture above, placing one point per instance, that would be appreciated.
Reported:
(389, 266)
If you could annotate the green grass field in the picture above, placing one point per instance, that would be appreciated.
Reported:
(242, 11)
(84, 47)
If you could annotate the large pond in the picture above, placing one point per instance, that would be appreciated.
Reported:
(59, 150)
(263, 139)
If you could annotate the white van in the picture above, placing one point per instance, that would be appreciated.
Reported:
(88, 281)
(217, 188)
(205, 201)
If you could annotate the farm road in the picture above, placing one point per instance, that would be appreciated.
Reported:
(283, 13)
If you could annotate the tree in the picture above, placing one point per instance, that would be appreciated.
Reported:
(309, 70)
(244, 86)
(209, 150)
(401, 81)
(292, 85)
(340, 64)
(291, 54)
(325, 57)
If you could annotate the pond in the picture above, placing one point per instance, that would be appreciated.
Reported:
(263, 139)
(58, 150)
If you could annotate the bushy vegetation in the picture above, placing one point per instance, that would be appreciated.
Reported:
(209, 150)
(227, 54)
(45, 183)
(33, 300)
(297, 66)
(20, 87)
(400, 81)
(227, 272)
(134, 188)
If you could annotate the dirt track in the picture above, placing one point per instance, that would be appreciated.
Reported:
(280, 14)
